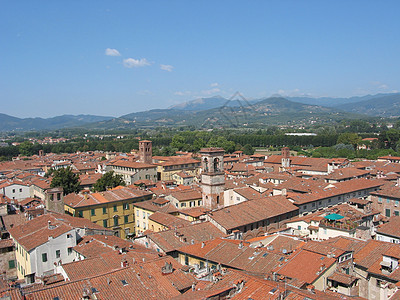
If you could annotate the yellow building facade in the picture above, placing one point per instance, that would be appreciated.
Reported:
(115, 213)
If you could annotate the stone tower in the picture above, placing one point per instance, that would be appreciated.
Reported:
(212, 177)
(145, 152)
(54, 200)
(285, 158)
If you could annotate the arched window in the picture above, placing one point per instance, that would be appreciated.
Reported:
(205, 165)
(216, 165)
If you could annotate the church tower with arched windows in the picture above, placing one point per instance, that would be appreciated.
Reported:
(212, 177)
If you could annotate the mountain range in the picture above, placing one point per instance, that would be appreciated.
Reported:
(219, 111)
(9, 123)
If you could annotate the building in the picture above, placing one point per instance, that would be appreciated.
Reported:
(46, 241)
(169, 241)
(389, 232)
(233, 254)
(386, 200)
(212, 177)
(187, 198)
(132, 171)
(168, 166)
(334, 193)
(112, 209)
(145, 152)
(15, 190)
(253, 218)
(8, 265)
(143, 210)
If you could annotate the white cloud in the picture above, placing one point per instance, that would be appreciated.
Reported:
(144, 93)
(135, 63)
(383, 86)
(211, 91)
(182, 93)
(112, 52)
(166, 68)
(214, 84)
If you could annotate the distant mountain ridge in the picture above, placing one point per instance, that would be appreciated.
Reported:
(340, 103)
(10, 123)
(219, 111)
(384, 106)
(267, 111)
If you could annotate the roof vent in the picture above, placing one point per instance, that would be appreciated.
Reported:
(167, 269)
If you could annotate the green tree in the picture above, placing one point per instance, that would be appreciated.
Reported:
(108, 180)
(349, 138)
(26, 148)
(65, 178)
(248, 149)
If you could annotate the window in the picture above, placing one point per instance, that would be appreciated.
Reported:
(199, 202)
(58, 253)
(115, 221)
(20, 190)
(313, 204)
(69, 236)
(69, 250)
(387, 212)
(379, 199)
(44, 257)
(105, 223)
(137, 213)
(13, 190)
(104, 210)
(93, 212)
(126, 219)
(387, 201)
(299, 227)
(80, 214)
(201, 264)
(126, 206)
(11, 264)
(115, 208)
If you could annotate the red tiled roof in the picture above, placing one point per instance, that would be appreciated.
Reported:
(253, 211)
(116, 194)
(37, 231)
(306, 266)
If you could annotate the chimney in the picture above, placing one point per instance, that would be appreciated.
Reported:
(311, 288)
(203, 244)
(240, 245)
(124, 263)
(167, 269)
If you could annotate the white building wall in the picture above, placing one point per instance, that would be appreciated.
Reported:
(16, 191)
(61, 243)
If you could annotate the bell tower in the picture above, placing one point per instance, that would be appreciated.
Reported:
(54, 200)
(212, 177)
(145, 152)
(285, 158)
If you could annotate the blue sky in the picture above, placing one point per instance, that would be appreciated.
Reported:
(117, 57)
